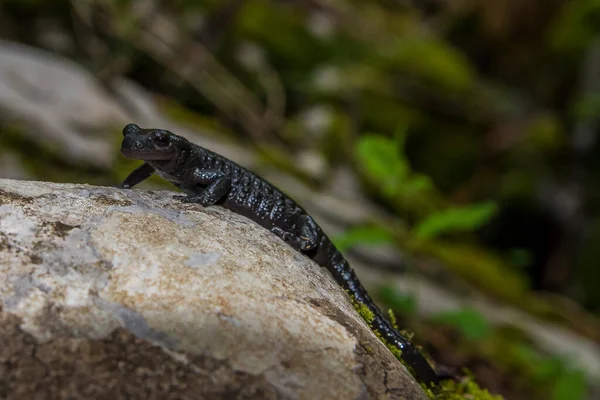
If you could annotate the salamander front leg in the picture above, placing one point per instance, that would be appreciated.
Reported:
(212, 186)
(304, 238)
(211, 194)
(138, 175)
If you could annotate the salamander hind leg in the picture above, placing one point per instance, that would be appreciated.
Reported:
(304, 237)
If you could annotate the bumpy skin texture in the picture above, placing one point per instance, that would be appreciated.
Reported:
(211, 179)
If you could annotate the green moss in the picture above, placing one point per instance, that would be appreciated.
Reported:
(363, 311)
(466, 389)
(393, 349)
(407, 334)
(393, 319)
(449, 390)
(368, 316)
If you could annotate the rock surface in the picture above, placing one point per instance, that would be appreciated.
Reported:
(113, 293)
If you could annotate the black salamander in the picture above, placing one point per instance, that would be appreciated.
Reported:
(211, 179)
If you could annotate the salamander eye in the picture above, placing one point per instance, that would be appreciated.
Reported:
(160, 139)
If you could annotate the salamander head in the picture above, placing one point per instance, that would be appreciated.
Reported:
(153, 144)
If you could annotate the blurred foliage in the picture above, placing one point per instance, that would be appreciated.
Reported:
(383, 161)
(449, 112)
(471, 324)
(455, 219)
(403, 304)
(364, 235)
(431, 216)
(530, 373)
(575, 27)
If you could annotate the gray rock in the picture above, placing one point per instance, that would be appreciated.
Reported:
(107, 292)
(10, 165)
(58, 103)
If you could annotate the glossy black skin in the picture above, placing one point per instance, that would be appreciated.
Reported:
(211, 179)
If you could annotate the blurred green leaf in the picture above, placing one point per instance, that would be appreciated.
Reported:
(587, 107)
(383, 160)
(400, 303)
(417, 184)
(282, 30)
(382, 112)
(482, 268)
(525, 353)
(547, 370)
(570, 386)
(470, 322)
(432, 59)
(542, 369)
(546, 132)
(373, 234)
(576, 26)
(520, 258)
(455, 219)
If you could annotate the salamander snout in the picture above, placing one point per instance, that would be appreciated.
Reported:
(130, 129)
